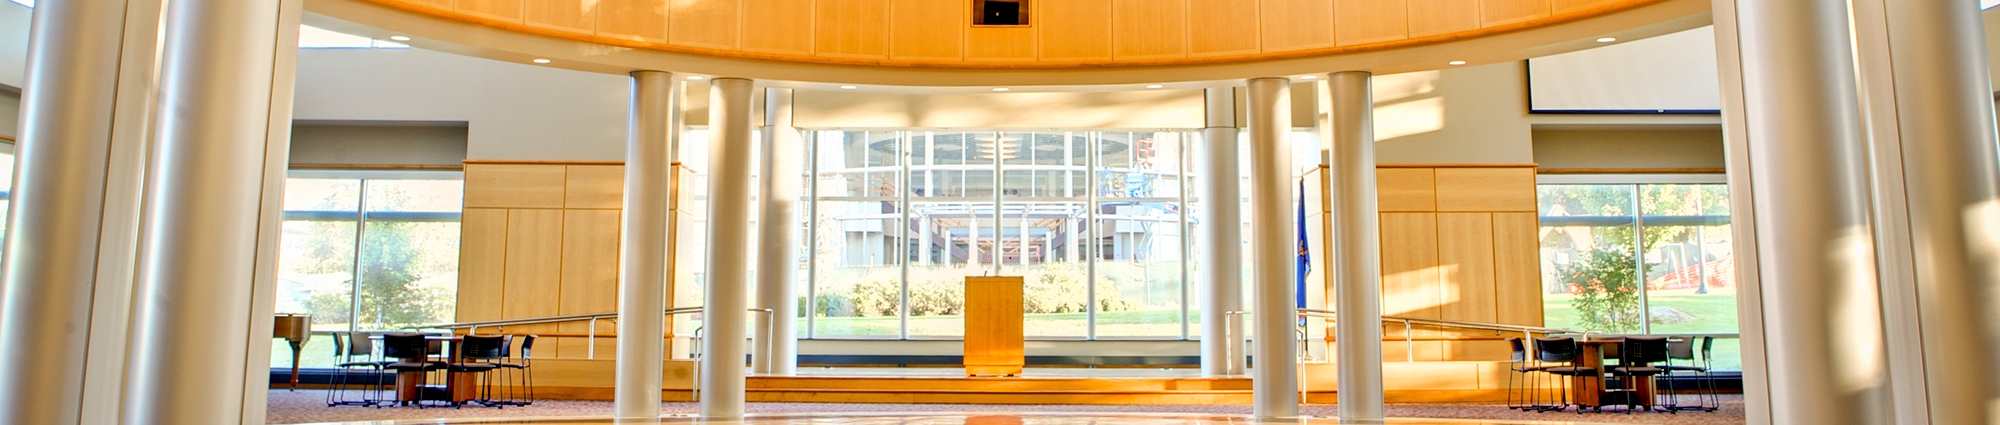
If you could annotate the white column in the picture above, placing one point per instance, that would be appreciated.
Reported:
(1820, 306)
(728, 303)
(1273, 250)
(777, 240)
(1928, 96)
(642, 282)
(86, 112)
(1742, 208)
(207, 268)
(1222, 238)
(1357, 256)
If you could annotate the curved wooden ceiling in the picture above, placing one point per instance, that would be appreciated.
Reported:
(932, 42)
(1062, 34)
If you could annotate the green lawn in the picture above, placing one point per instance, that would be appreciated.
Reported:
(1711, 313)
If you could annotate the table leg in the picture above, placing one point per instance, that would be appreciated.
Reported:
(1587, 391)
(464, 386)
(408, 387)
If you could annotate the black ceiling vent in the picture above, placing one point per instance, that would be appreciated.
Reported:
(999, 12)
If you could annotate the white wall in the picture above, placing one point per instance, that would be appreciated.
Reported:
(14, 20)
(1471, 115)
(512, 111)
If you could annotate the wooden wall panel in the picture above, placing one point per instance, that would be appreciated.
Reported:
(1074, 30)
(590, 247)
(1465, 250)
(1148, 29)
(513, 186)
(1559, 7)
(594, 186)
(534, 262)
(852, 29)
(482, 263)
(1411, 282)
(1297, 24)
(1370, 21)
(1517, 268)
(1405, 189)
(1485, 189)
(444, 5)
(502, 10)
(928, 29)
(708, 24)
(1010, 44)
(1436, 17)
(1226, 26)
(637, 20)
(1502, 12)
(782, 26)
(576, 16)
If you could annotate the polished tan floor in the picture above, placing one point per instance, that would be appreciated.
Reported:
(947, 418)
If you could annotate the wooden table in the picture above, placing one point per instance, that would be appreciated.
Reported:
(1585, 391)
(458, 386)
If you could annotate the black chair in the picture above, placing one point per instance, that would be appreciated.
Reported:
(347, 347)
(1562, 352)
(411, 352)
(1683, 349)
(1635, 360)
(524, 368)
(478, 354)
(1522, 366)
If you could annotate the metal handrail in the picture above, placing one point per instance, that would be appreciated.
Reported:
(473, 326)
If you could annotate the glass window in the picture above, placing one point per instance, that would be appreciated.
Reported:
(857, 235)
(1676, 278)
(1091, 220)
(406, 233)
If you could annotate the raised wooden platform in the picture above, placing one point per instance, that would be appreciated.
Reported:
(1405, 382)
(970, 390)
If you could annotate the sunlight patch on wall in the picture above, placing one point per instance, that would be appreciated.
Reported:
(1408, 118)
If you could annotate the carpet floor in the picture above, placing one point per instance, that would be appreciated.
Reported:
(309, 406)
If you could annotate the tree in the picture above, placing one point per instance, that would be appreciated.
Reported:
(394, 258)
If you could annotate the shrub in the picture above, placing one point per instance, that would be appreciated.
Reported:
(937, 298)
(875, 298)
(1606, 289)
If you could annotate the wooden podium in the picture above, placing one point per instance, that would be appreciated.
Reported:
(993, 325)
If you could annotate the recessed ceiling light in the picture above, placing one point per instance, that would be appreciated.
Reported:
(1457, 63)
(541, 61)
(1309, 77)
(695, 78)
(999, 89)
(400, 37)
(848, 87)
(1154, 86)
(1606, 39)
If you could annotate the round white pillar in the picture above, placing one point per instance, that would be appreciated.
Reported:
(724, 314)
(777, 237)
(1221, 233)
(74, 225)
(1274, 250)
(1819, 304)
(651, 126)
(1357, 253)
(1929, 98)
(207, 269)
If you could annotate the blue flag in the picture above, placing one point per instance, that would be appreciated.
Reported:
(1305, 251)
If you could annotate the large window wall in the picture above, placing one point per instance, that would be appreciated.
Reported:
(1093, 221)
(1640, 259)
(367, 252)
